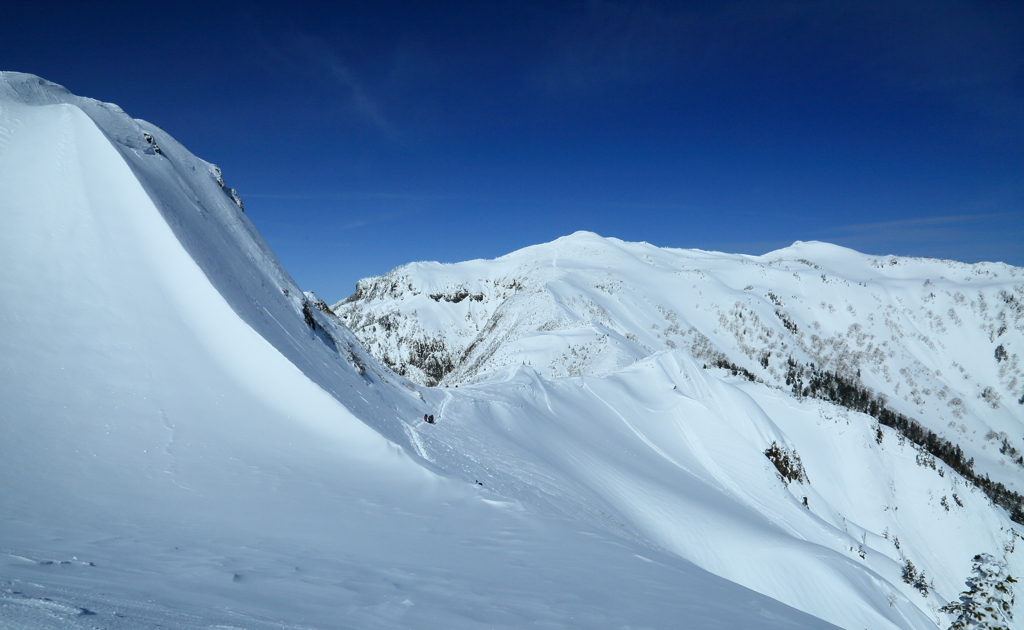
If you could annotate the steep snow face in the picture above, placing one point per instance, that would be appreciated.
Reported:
(940, 340)
(167, 455)
(207, 219)
(866, 534)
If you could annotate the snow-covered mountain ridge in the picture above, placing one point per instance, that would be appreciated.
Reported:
(894, 336)
(188, 440)
(936, 340)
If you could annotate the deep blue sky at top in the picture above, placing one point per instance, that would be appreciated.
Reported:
(363, 135)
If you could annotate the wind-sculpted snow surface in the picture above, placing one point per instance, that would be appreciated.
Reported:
(207, 219)
(184, 439)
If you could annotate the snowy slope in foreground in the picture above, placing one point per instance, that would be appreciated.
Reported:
(166, 461)
(659, 447)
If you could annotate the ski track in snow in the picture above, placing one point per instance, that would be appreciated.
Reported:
(416, 442)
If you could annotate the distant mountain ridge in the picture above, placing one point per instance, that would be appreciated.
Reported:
(927, 347)
(939, 340)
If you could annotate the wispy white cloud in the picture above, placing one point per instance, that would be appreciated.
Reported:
(966, 237)
(319, 54)
(315, 59)
(908, 225)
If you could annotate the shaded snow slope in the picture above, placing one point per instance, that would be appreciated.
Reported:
(208, 223)
(169, 458)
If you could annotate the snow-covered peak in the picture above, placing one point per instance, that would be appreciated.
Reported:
(818, 252)
(630, 288)
(208, 219)
(940, 339)
(28, 89)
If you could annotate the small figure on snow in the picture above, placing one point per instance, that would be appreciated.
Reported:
(431, 419)
(425, 418)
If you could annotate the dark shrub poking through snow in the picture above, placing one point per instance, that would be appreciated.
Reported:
(788, 464)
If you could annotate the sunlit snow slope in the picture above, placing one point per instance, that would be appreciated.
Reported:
(184, 437)
(589, 363)
(940, 340)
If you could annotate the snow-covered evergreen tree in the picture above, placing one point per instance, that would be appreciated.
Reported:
(988, 601)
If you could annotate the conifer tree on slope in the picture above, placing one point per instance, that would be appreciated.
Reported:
(987, 604)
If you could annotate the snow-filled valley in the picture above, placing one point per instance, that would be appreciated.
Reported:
(626, 436)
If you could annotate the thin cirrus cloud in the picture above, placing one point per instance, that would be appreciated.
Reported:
(316, 59)
(968, 237)
(359, 99)
(923, 222)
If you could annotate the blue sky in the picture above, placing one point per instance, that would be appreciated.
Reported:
(366, 135)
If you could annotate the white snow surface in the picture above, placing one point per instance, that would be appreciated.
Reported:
(598, 348)
(940, 340)
(179, 448)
